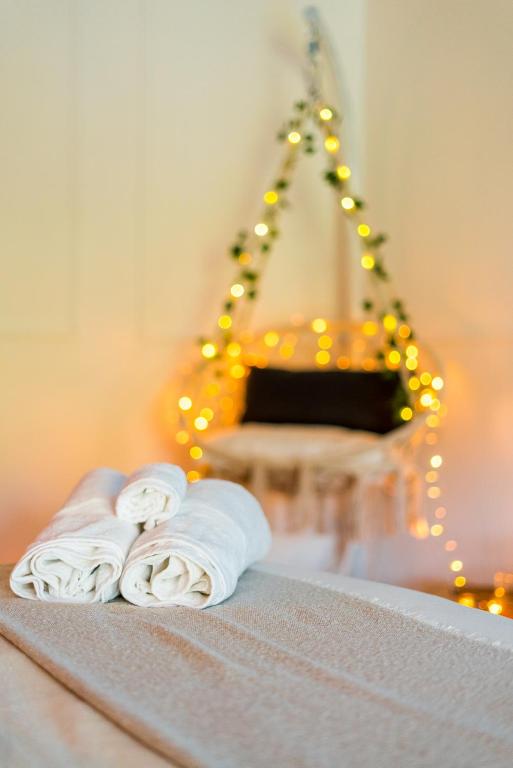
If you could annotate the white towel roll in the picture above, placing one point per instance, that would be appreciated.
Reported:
(152, 494)
(196, 558)
(79, 556)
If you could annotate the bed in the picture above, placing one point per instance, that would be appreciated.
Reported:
(296, 669)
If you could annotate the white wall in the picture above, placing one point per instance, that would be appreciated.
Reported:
(136, 138)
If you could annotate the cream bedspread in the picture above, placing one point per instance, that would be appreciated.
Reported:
(285, 673)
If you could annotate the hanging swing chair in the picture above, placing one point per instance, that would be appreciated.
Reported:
(318, 410)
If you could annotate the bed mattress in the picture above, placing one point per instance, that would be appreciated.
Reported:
(296, 669)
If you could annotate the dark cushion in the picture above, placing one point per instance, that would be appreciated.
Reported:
(353, 399)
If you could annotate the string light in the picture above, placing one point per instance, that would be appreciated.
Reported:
(271, 339)
(200, 423)
(437, 383)
(437, 529)
(389, 323)
(451, 545)
(456, 565)
(209, 350)
(196, 452)
(406, 413)
(363, 230)
(325, 114)
(322, 357)
(225, 322)
(343, 172)
(436, 461)
(294, 137)
(182, 437)
(460, 581)
(261, 229)
(325, 342)
(414, 383)
(245, 258)
(404, 331)
(185, 403)
(319, 325)
(394, 357)
(237, 290)
(233, 349)
(331, 144)
(237, 371)
(367, 261)
(271, 197)
(347, 203)
(193, 476)
(369, 328)
(207, 413)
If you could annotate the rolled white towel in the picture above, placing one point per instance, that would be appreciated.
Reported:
(152, 494)
(196, 558)
(79, 556)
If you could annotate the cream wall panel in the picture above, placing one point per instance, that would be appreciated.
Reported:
(439, 154)
(37, 162)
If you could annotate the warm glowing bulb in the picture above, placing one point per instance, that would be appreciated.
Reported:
(322, 357)
(460, 581)
(331, 144)
(414, 383)
(237, 371)
(237, 290)
(404, 331)
(440, 513)
(195, 452)
(369, 328)
(271, 197)
(394, 357)
(185, 403)
(434, 492)
(425, 378)
(431, 476)
(261, 229)
(426, 399)
(325, 342)
(363, 230)
(451, 545)
(207, 413)
(343, 172)
(433, 421)
(436, 461)
(319, 325)
(233, 349)
(412, 350)
(367, 261)
(182, 437)
(494, 607)
(271, 339)
(343, 362)
(347, 203)
(200, 423)
(294, 137)
(411, 363)
(437, 383)
(406, 414)
(499, 592)
(209, 350)
(225, 322)
(456, 565)
(193, 476)
(389, 323)
(325, 114)
(245, 258)
(467, 600)
(437, 529)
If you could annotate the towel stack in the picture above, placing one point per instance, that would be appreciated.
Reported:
(151, 537)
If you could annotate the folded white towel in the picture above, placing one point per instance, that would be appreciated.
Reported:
(196, 558)
(152, 494)
(79, 556)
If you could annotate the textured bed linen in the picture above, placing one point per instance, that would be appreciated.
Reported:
(285, 673)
